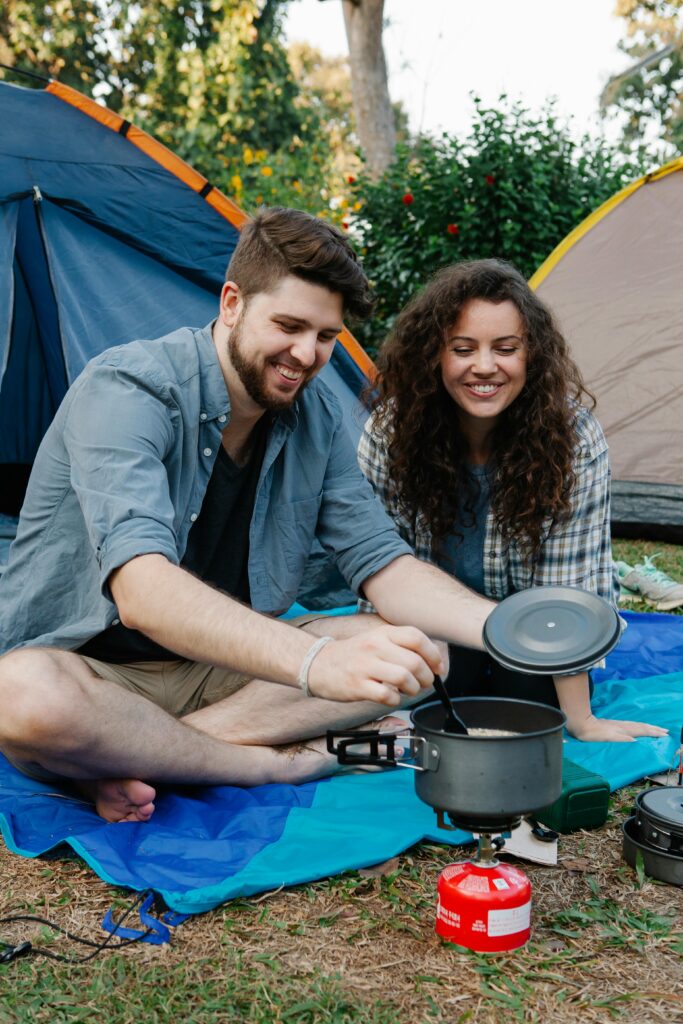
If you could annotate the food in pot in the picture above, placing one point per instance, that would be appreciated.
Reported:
(491, 732)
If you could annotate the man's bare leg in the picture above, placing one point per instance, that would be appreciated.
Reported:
(61, 717)
(268, 714)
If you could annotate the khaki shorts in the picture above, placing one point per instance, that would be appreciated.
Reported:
(179, 687)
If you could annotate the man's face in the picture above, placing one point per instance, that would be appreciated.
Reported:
(282, 339)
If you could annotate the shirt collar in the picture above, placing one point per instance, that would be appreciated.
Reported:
(215, 398)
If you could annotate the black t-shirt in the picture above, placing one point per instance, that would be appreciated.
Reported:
(217, 550)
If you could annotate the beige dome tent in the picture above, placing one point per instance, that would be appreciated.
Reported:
(616, 286)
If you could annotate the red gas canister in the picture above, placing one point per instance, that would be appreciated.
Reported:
(487, 909)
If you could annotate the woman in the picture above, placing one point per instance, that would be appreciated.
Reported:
(492, 468)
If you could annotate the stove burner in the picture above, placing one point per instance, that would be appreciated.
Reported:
(493, 824)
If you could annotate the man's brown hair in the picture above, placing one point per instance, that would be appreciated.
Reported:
(280, 241)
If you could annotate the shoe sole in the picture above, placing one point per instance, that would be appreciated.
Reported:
(666, 606)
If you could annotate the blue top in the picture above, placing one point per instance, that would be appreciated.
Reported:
(463, 556)
(123, 469)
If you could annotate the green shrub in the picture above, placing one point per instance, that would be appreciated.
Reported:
(513, 188)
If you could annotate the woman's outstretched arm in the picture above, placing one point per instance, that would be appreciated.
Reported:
(574, 697)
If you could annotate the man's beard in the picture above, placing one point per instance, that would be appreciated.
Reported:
(253, 376)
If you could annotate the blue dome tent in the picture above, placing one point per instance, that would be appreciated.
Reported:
(106, 236)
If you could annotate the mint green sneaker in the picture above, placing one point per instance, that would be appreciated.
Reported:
(653, 584)
(627, 593)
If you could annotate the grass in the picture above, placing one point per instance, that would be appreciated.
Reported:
(361, 949)
(607, 944)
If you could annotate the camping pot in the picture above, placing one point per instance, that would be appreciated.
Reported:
(659, 818)
(483, 783)
(654, 834)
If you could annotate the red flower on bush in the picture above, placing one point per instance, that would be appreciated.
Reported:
(452, 229)
(490, 179)
(350, 178)
(408, 199)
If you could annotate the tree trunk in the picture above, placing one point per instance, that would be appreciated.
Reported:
(371, 103)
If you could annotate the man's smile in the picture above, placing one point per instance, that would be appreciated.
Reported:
(290, 373)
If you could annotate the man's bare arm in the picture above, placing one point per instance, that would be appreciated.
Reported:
(410, 591)
(187, 616)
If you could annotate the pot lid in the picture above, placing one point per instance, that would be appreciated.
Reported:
(551, 629)
(664, 803)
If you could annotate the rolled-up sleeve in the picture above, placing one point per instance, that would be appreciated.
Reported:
(116, 436)
(352, 524)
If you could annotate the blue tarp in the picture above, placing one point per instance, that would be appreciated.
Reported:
(208, 845)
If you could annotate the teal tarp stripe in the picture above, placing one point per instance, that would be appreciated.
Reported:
(380, 807)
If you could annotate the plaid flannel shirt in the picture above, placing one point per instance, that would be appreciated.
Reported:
(576, 553)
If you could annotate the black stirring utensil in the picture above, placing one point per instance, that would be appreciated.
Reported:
(453, 723)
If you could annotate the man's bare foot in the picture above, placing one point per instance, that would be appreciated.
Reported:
(121, 799)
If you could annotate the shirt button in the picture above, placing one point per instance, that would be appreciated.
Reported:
(193, 517)
(222, 419)
(202, 415)
(207, 451)
(116, 622)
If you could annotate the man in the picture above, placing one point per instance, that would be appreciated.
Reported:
(168, 519)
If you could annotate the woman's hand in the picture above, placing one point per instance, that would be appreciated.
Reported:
(574, 700)
(612, 730)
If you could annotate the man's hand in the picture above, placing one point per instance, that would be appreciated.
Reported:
(379, 665)
(612, 730)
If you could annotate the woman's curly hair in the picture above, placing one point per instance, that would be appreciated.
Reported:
(535, 437)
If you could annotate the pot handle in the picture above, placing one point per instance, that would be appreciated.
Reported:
(375, 739)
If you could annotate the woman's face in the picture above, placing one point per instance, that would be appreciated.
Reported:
(483, 361)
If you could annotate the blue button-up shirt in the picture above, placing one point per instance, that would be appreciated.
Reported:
(123, 469)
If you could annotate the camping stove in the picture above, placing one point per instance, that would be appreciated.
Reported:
(483, 904)
(483, 762)
(508, 764)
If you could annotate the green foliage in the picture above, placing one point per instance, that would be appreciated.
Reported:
(512, 189)
(650, 93)
(62, 38)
